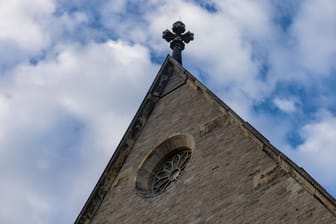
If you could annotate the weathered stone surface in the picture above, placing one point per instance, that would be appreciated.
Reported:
(175, 81)
(230, 178)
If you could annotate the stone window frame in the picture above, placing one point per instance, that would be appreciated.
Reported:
(156, 157)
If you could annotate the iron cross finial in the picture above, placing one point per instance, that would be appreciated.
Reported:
(177, 39)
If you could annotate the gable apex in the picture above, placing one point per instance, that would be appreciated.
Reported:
(170, 77)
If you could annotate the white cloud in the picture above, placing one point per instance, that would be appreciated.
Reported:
(30, 28)
(320, 135)
(18, 197)
(315, 33)
(286, 105)
(317, 152)
(65, 116)
(22, 22)
(305, 54)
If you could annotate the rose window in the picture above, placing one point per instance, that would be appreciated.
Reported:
(170, 170)
(164, 165)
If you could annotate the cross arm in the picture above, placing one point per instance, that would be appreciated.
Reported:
(168, 36)
(187, 37)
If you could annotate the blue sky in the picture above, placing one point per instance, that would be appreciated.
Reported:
(73, 73)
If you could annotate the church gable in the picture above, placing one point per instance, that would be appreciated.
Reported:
(158, 89)
(234, 174)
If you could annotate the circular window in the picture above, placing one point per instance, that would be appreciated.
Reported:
(164, 165)
(170, 170)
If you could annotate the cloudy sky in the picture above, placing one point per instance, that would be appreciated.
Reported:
(73, 73)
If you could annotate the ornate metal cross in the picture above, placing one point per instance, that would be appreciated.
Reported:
(177, 39)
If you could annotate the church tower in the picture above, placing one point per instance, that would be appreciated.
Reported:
(188, 158)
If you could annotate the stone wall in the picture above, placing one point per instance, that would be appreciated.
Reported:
(228, 180)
